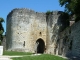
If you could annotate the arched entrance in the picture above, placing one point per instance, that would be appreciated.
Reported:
(40, 46)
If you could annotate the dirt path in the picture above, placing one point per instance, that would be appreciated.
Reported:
(7, 57)
(4, 57)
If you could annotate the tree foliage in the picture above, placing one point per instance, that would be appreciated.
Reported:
(1, 28)
(49, 12)
(71, 7)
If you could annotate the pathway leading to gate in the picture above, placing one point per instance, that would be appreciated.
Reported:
(7, 57)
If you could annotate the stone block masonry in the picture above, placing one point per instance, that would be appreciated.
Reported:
(24, 28)
(35, 32)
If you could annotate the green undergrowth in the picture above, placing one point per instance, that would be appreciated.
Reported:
(40, 57)
(16, 53)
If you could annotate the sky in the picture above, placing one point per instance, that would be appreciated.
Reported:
(37, 5)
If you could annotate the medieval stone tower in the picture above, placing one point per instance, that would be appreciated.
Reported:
(25, 28)
(31, 31)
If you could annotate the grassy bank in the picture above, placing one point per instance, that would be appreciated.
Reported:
(15, 53)
(40, 57)
(28, 56)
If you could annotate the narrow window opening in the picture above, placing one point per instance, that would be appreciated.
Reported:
(40, 33)
(70, 47)
(24, 43)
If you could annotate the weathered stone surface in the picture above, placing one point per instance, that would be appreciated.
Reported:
(54, 26)
(26, 27)
(3, 43)
(75, 35)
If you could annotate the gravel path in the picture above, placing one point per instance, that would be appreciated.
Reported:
(4, 57)
(7, 57)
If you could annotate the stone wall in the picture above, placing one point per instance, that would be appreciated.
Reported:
(54, 27)
(68, 41)
(3, 43)
(75, 36)
(24, 28)
(64, 42)
(70, 38)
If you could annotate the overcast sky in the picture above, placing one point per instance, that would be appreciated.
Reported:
(37, 5)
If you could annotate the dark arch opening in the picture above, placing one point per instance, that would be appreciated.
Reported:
(40, 46)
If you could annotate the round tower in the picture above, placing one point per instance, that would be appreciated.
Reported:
(24, 28)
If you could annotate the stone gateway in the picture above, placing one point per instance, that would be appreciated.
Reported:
(24, 28)
(35, 32)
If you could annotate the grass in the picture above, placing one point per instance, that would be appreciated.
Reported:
(40, 57)
(25, 57)
(15, 53)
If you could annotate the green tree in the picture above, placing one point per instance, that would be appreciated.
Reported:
(1, 28)
(71, 7)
